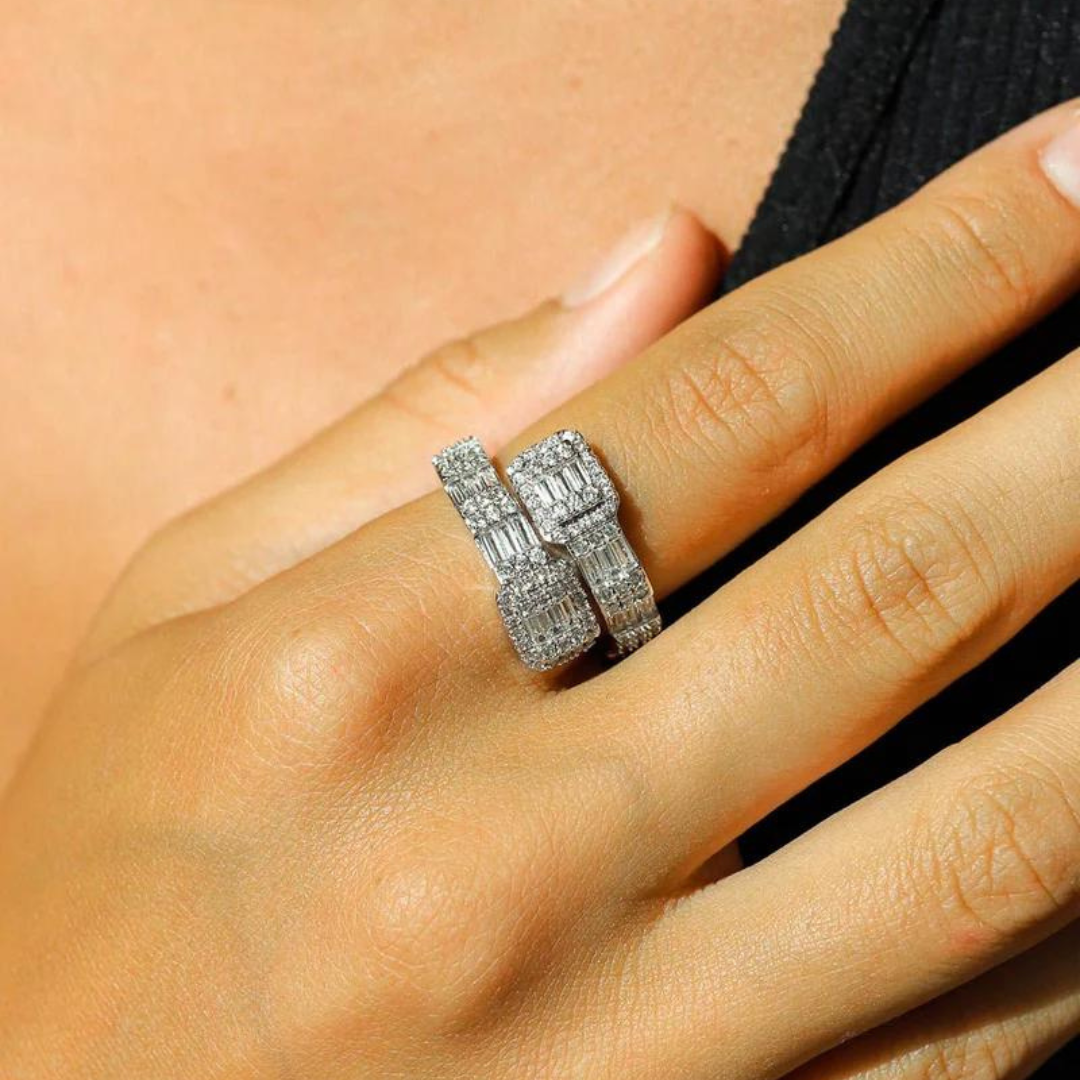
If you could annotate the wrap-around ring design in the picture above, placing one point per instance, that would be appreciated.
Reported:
(574, 504)
(542, 601)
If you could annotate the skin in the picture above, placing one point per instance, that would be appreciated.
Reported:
(224, 226)
(318, 787)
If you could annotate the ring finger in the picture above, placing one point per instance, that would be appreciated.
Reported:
(731, 417)
(378, 456)
(809, 655)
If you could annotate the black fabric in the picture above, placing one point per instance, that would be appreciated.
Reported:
(907, 88)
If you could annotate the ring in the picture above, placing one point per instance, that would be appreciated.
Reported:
(573, 504)
(541, 598)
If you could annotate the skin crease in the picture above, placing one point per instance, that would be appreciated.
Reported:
(227, 224)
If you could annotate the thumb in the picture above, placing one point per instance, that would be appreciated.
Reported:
(491, 385)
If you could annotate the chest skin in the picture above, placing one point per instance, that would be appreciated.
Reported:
(223, 223)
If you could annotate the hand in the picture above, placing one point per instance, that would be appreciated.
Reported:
(300, 812)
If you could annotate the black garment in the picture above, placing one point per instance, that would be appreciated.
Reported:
(907, 88)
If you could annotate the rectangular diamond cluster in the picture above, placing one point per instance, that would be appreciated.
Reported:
(616, 578)
(501, 531)
(541, 598)
(574, 505)
(565, 488)
(465, 471)
(547, 613)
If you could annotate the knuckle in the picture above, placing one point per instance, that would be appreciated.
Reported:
(420, 915)
(455, 375)
(462, 367)
(1005, 853)
(986, 236)
(317, 681)
(751, 387)
(915, 574)
(466, 907)
(448, 924)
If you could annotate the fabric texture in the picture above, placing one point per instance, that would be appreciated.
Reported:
(907, 88)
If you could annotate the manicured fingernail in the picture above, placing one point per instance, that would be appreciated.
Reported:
(1060, 161)
(635, 246)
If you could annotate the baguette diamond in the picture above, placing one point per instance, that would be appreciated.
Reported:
(574, 505)
(542, 601)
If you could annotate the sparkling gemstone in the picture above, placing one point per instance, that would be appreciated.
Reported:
(460, 491)
(610, 557)
(508, 538)
(574, 476)
(542, 624)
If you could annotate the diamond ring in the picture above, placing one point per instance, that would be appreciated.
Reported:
(541, 599)
(573, 504)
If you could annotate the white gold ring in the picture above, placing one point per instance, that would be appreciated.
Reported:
(574, 505)
(541, 599)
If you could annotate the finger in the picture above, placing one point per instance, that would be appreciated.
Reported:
(965, 862)
(734, 415)
(378, 457)
(808, 656)
(506, 376)
(1002, 1026)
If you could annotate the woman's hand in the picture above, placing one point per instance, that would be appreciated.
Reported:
(299, 811)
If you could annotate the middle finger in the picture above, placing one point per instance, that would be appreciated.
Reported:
(912, 579)
(731, 417)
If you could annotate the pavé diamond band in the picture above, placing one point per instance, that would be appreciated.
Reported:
(574, 504)
(542, 601)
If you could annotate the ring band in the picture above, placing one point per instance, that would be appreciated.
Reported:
(573, 503)
(541, 598)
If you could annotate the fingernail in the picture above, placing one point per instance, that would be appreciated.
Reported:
(635, 246)
(1060, 161)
